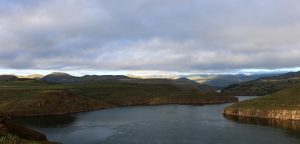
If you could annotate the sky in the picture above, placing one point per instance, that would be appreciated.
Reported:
(149, 36)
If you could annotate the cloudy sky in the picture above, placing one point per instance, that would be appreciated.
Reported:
(144, 36)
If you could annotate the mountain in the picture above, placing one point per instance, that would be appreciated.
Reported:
(226, 80)
(264, 85)
(59, 77)
(183, 83)
(32, 76)
(223, 80)
(218, 81)
(8, 77)
(190, 84)
(105, 78)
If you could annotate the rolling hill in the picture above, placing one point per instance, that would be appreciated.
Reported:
(62, 93)
(220, 81)
(8, 77)
(263, 86)
(284, 104)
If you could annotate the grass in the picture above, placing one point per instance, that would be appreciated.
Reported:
(12, 139)
(32, 97)
(286, 99)
(261, 87)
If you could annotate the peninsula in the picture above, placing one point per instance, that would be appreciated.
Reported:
(284, 105)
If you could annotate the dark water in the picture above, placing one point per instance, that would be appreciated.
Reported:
(169, 124)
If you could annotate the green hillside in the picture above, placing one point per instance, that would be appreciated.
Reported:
(284, 104)
(263, 86)
(32, 97)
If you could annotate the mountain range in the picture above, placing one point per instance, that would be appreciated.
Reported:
(239, 84)
(263, 85)
(223, 80)
(218, 81)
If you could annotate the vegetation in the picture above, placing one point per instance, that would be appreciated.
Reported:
(263, 86)
(284, 104)
(222, 81)
(34, 97)
(13, 133)
(61, 93)
(12, 139)
(288, 98)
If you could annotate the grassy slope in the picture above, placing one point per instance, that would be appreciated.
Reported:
(287, 99)
(262, 86)
(34, 97)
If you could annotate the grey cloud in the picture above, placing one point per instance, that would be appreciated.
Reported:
(169, 35)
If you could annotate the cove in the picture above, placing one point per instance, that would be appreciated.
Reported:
(166, 124)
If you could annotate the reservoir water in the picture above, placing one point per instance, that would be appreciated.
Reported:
(167, 124)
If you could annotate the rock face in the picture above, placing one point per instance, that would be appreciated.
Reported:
(270, 114)
(291, 125)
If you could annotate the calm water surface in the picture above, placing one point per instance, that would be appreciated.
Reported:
(168, 124)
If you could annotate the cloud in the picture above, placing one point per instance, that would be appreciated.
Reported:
(151, 35)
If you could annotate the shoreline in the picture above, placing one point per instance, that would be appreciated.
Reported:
(265, 114)
(201, 102)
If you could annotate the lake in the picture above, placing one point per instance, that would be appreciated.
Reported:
(166, 124)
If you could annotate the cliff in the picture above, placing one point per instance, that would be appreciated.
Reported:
(290, 125)
(270, 114)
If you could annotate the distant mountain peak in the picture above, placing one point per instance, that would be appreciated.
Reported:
(60, 74)
(7, 77)
(32, 76)
(59, 77)
(184, 79)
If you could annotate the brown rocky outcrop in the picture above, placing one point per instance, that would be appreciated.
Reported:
(264, 113)
(291, 125)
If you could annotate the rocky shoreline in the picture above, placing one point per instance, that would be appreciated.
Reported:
(282, 105)
(261, 113)
(291, 125)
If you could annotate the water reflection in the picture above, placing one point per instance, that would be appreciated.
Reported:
(169, 124)
(291, 127)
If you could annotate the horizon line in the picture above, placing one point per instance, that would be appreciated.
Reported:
(144, 73)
